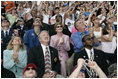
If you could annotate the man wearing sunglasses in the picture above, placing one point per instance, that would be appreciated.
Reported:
(92, 54)
(30, 71)
(77, 39)
(31, 36)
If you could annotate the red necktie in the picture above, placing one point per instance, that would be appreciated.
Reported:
(47, 60)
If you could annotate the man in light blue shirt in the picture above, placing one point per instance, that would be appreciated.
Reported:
(77, 40)
(77, 36)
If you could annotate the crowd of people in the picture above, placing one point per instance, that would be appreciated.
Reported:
(59, 39)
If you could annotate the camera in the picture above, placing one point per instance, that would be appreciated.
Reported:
(86, 62)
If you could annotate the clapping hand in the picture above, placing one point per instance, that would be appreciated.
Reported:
(15, 57)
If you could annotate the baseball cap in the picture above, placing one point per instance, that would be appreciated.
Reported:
(30, 65)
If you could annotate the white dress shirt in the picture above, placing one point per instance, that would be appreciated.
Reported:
(89, 51)
(5, 32)
(44, 49)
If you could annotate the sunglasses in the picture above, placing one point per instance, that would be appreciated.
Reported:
(83, 71)
(59, 26)
(37, 19)
(30, 68)
(89, 39)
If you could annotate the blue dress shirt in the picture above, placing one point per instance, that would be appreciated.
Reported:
(77, 40)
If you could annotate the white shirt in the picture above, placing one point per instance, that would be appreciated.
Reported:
(103, 18)
(21, 27)
(5, 32)
(88, 52)
(44, 49)
(53, 21)
(45, 18)
(67, 21)
(109, 47)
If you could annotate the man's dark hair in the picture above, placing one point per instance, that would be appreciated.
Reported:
(56, 8)
(58, 16)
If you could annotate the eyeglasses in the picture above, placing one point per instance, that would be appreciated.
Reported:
(59, 26)
(30, 68)
(21, 21)
(37, 19)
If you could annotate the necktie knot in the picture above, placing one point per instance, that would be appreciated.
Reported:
(6, 33)
(46, 48)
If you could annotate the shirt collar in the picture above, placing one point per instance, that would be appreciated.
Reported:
(44, 47)
(22, 26)
(85, 32)
(88, 52)
(5, 31)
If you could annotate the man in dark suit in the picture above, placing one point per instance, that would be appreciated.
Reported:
(6, 35)
(89, 52)
(20, 27)
(37, 55)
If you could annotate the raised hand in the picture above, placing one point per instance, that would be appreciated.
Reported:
(57, 42)
(80, 62)
(92, 65)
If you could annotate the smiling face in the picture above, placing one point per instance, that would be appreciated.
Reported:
(80, 26)
(21, 22)
(109, 20)
(37, 22)
(16, 41)
(88, 41)
(97, 21)
(44, 37)
(30, 73)
(59, 29)
(5, 23)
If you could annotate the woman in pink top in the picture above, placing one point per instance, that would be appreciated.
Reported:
(61, 42)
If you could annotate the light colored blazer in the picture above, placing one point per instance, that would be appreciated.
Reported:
(9, 64)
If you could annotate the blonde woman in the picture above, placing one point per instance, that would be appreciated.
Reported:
(15, 56)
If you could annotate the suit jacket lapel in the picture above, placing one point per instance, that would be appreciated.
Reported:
(95, 54)
(2, 33)
(42, 56)
(51, 54)
(85, 55)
